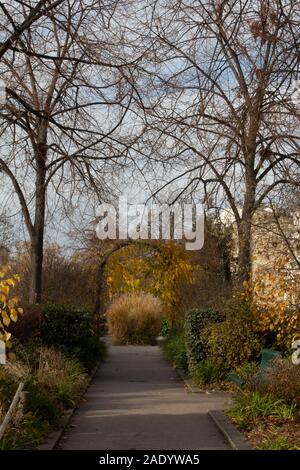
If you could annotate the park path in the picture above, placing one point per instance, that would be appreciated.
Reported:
(137, 401)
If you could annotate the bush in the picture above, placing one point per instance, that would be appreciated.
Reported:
(195, 322)
(135, 319)
(91, 351)
(282, 380)
(248, 406)
(232, 342)
(70, 328)
(28, 325)
(174, 350)
(273, 300)
(206, 372)
(42, 404)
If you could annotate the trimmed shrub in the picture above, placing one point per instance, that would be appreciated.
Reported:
(65, 325)
(135, 318)
(232, 342)
(174, 350)
(206, 372)
(195, 321)
(71, 329)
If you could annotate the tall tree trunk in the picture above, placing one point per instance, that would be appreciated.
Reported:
(37, 239)
(245, 256)
(245, 224)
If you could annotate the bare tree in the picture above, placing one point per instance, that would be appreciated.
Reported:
(69, 92)
(221, 105)
(17, 16)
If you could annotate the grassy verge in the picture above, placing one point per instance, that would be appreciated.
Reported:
(268, 422)
(54, 383)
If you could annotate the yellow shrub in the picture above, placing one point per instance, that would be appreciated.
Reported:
(163, 274)
(9, 310)
(274, 304)
(135, 318)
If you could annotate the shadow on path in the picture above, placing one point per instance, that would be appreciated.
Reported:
(137, 401)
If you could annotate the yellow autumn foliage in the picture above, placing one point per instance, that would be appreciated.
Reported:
(160, 271)
(9, 304)
(274, 302)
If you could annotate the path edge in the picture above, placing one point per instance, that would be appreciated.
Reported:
(233, 436)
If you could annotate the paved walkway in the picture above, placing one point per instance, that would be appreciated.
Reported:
(136, 401)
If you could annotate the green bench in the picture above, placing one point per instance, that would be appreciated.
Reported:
(267, 356)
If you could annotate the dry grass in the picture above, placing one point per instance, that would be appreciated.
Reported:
(17, 370)
(135, 319)
(282, 381)
(60, 375)
(273, 434)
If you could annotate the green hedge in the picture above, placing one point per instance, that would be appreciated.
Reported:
(232, 342)
(195, 321)
(71, 329)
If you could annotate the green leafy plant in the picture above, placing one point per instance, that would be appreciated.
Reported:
(26, 434)
(232, 342)
(165, 327)
(42, 404)
(206, 372)
(276, 443)
(248, 406)
(174, 349)
(247, 371)
(71, 329)
(195, 321)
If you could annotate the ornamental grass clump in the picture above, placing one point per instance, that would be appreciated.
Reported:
(282, 380)
(135, 318)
